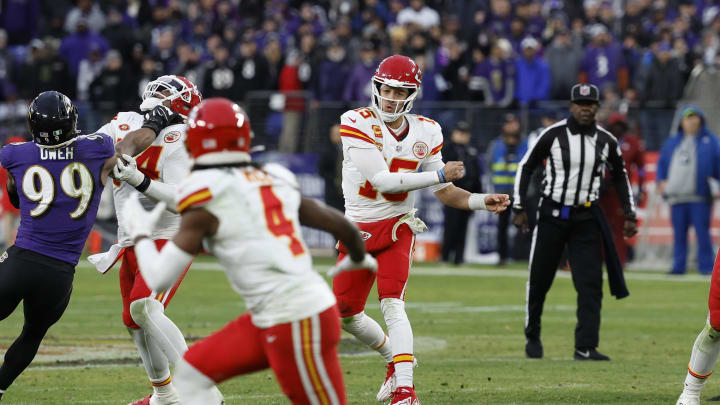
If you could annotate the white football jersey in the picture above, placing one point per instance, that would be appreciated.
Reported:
(420, 149)
(259, 241)
(166, 160)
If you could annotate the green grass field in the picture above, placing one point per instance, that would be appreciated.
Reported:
(467, 321)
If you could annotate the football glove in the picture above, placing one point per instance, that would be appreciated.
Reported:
(128, 172)
(160, 117)
(138, 222)
(347, 264)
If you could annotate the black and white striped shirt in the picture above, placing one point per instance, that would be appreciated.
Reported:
(575, 165)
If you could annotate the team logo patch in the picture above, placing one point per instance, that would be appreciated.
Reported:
(420, 150)
(124, 127)
(3, 257)
(584, 90)
(363, 234)
(173, 136)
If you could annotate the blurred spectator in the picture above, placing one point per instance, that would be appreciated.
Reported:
(330, 168)
(163, 48)
(111, 91)
(687, 162)
(251, 69)
(291, 85)
(456, 221)
(503, 157)
(274, 56)
(219, 77)
(455, 71)
(85, 10)
(149, 71)
(529, 12)
(603, 61)
(88, 70)
(357, 86)
(119, 32)
(20, 20)
(417, 13)
(663, 80)
(189, 64)
(331, 75)
(42, 71)
(76, 46)
(633, 154)
(533, 74)
(563, 56)
(497, 76)
(7, 89)
(500, 17)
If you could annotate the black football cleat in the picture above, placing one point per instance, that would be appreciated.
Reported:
(589, 354)
(534, 349)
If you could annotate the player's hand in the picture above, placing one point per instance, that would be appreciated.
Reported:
(497, 203)
(520, 220)
(140, 223)
(160, 117)
(347, 264)
(454, 171)
(126, 170)
(631, 228)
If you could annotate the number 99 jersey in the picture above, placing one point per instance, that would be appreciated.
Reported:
(259, 241)
(166, 161)
(420, 148)
(59, 191)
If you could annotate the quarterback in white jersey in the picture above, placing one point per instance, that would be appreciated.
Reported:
(232, 208)
(153, 176)
(388, 153)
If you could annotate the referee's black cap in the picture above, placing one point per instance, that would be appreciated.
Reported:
(585, 92)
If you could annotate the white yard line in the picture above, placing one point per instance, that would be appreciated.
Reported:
(442, 271)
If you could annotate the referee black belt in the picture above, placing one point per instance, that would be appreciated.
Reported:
(562, 211)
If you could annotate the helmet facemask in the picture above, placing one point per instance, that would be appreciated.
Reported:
(402, 107)
(179, 96)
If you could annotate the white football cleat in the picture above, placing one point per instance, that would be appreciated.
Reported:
(170, 398)
(686, 399)
(388, 386)
(219, 395)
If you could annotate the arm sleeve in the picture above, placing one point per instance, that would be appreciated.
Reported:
(434, 161)
(527, 165)
(161, 269)
(620, 179)
(372, 166)
(109, 130)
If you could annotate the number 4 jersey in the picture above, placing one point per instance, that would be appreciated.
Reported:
(166, 160)
(258, 240)
(419, 149)
(59, 190)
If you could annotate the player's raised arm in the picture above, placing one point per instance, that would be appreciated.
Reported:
(155, 120)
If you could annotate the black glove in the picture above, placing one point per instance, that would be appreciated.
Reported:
(161, 117)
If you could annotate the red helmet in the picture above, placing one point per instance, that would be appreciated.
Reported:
(218, 133)
(181, 92)
(396, 71)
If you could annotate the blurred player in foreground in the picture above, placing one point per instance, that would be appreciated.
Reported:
(231, 207)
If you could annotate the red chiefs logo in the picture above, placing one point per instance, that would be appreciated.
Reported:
(173, 136)
(123, 127)
(420, 150)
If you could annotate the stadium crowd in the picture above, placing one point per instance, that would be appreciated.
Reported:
(501, 52)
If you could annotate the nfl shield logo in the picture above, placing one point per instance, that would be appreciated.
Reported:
(584, 90)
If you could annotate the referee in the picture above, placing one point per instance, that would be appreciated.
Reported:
(576, 152)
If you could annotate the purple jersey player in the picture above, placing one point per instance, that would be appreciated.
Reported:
(56, 181)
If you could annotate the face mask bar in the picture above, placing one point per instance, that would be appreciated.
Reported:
(160, 87)
(402, 107)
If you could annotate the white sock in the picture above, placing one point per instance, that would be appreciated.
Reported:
(154, 360)
(194, 387)
(165, 390)
(702, 360)
(369, 332)
(401, 336)
(149, 314)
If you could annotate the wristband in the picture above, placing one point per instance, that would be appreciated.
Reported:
(441, 175)
(477, 201)
(143, 185)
